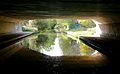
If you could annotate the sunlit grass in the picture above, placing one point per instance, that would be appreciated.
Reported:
(88, 32)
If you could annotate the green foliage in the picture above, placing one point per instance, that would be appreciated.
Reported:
(45, 40)
(68, 45)
(37, 41)
(25, 43)
(84, 22)
(85, 50)
(63, 24)
(51, 23)
(41, 25)
(25, 22)
(26, 30)
(87, 23)
(58, 25)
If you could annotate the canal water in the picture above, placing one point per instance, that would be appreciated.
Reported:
(58, 44)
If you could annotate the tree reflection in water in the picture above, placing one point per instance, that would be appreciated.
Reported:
(58, 45)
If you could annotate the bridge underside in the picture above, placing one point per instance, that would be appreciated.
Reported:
(106, 12)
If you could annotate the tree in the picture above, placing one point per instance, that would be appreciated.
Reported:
(45, 41)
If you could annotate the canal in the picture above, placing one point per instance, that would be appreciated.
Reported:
(58, 44)
(54, 53)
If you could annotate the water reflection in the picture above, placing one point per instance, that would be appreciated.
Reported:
(58, 45)
(54, 50)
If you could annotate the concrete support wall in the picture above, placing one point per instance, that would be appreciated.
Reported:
(111, 30)
(8, 25)
(109, 27)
